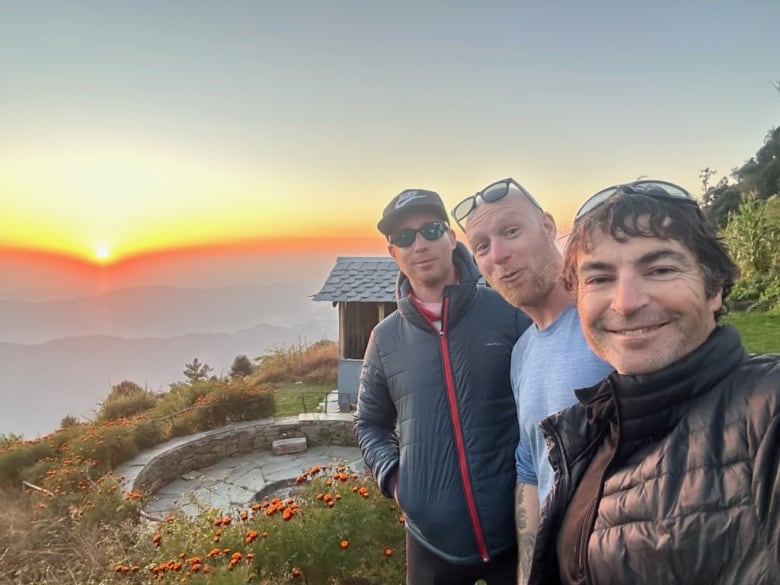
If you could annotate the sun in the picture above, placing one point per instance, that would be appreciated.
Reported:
(102, 253)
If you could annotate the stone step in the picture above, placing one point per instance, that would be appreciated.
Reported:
(288, 446)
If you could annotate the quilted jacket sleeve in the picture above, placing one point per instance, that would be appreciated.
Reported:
(766, 486)
(375, 421)
(766, 467)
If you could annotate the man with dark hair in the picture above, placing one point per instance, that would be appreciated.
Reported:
(666, 472)
(435, 414)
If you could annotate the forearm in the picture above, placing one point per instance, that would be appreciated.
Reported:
(526, 523)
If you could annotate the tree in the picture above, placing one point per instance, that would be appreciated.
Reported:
(196, 371)
(760, 176)
(242, 366)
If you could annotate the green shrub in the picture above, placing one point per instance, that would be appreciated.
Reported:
(236, 401)
(313, 363)
(760, 292)
(125, 400)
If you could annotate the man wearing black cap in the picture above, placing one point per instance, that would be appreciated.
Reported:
(435, 413)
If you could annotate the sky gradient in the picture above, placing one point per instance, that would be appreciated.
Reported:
(134, 128)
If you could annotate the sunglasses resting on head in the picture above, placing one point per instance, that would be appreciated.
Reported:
(490, 194)
(649, 188)
(431, 231)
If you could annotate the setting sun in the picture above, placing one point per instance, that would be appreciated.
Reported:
(102, 253)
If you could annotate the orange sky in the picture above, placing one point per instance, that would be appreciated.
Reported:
(129, 130)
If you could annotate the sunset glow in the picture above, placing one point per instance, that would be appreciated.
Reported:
(250, 126)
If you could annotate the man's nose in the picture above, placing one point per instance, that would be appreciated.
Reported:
(499, 252)
(420, 243)
(629, 294)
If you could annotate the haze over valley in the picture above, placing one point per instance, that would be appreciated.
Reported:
(62, 356)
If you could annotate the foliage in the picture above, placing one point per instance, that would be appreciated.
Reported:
(241, 366)
(759, 175)
(87, 451)
(126, 399)
(68, 421)
(314, 363)
(42, 545)
(233, 402)
(196, 371)
(335, 529)
(752, 240)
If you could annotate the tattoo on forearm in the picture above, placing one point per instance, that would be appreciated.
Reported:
(526, 535)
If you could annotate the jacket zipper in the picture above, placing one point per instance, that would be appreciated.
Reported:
(464, 473)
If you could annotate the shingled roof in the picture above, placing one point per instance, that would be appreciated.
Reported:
(360, 279)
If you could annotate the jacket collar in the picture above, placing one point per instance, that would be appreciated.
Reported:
(461, 295)
(651, 404)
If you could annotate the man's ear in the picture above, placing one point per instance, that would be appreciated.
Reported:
(392, 251)
(453, 238)
(548, 221)
(715, 302)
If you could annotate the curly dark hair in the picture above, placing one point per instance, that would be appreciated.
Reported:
(625, 216)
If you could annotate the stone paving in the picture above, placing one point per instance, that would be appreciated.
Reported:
(234, 481)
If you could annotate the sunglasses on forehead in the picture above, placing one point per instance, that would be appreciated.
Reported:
(655, 189)
(490, 194)
(431, 231)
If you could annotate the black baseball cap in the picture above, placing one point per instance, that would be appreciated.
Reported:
(411, 201)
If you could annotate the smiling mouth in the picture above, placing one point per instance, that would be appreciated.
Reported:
(636, 331)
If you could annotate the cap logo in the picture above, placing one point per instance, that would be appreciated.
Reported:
(408, 196)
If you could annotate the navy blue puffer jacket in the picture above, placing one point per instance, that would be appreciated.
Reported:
(438, 409)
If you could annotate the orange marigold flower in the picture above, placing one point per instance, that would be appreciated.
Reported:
(243, 515)
(296, 572)
(156, 539)
(388, 552)
(251, 535)
(287, 514)
(344, 544)
(226, 521)
(331, 504)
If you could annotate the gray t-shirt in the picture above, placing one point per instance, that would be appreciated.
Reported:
(547, 366)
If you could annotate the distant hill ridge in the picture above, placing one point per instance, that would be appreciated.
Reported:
(160, 311)
(61, 357)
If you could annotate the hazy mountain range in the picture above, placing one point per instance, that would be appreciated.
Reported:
(61, 357)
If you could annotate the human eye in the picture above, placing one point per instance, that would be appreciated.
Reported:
(511, 232)
(480, 248)
(596, 280)
(662, 271)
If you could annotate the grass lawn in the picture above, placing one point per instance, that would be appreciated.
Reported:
(760, 331)
(297, 398)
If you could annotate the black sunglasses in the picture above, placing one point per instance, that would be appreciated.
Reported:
(490, 194)
(431, 231)
(656, 189)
